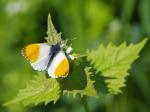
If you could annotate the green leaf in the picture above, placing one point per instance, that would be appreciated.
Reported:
(53, 37)
(40, 90)
(89, 90)
(114, 62)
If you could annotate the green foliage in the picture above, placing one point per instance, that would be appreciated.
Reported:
(114, 62)
(39, 90)
(89, 90)
(53, 37)
(85, 23)
(144, 7)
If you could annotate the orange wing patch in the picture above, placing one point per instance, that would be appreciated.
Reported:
(63, 68)
(31, 52)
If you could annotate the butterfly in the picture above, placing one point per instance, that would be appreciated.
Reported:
(50, 58)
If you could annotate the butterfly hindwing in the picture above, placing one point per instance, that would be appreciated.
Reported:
(59, 66)
(38, 55)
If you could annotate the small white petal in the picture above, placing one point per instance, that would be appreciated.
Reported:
(69, 49)
(71, 57)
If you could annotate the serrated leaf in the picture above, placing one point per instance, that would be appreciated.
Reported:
(114, 62)
(40, 90)
(89, 90)
(53, 37)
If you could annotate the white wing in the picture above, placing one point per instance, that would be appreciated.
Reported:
(44, 57)
(59, 66)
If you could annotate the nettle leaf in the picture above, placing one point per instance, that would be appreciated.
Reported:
(40, 90)
(89, 90)
(114, 62)
(53, 37)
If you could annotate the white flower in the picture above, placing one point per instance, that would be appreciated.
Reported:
(15, 7)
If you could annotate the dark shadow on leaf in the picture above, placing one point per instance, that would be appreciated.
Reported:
(99, 84)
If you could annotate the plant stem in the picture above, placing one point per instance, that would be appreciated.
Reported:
(85, 104)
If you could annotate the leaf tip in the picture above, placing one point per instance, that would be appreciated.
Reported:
(144, 41)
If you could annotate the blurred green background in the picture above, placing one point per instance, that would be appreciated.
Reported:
(86, 23)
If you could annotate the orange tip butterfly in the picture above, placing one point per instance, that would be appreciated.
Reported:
(51, 58)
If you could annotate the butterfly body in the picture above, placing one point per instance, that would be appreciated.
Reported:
(43, 57)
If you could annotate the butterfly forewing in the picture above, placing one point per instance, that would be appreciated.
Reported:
(38, 55)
